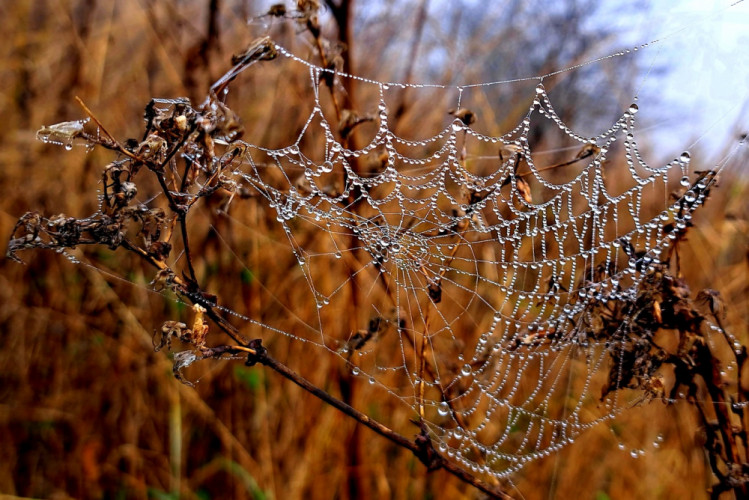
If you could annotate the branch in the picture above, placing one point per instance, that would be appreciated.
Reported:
(421, 447)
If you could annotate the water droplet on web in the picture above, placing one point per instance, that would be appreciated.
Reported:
(326, 167)
(466, 370)
(443, 409)
(68, 146)
(634, 108)
(457, 126)
(355, 371)
(690, 196)
(684, 158)
(684, 181)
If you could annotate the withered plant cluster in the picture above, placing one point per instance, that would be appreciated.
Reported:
(188, 150)
(668, 345)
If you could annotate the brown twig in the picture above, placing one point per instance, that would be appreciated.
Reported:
(421, 447)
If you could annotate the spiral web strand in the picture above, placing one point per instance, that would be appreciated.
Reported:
(474, 287)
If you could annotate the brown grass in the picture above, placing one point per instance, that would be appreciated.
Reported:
(88, 410)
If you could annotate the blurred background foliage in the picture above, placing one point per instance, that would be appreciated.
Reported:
(88, 410)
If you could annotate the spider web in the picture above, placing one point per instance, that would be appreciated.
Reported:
(463, 272)
(468, 285)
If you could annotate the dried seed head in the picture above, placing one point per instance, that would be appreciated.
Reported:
(467, 116)
(435, 292)
(349, 120)
(507, 151)
(587, 150)
(260, 49)
(181, 122)
(277, 10)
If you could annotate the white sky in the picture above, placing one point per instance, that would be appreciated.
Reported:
(702, 101)
(704, 97)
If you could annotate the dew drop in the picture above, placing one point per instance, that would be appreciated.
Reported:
(326, 167)
(634, 108)
(355, 370)
(684, 158)
(658, 441)
(684, 181)
(443, 409)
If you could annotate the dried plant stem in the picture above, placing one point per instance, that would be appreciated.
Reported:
(421, 448)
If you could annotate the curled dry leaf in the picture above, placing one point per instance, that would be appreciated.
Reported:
(524, 189)
(199, 326)
(713, 301)
(63, 133)
(182, 360)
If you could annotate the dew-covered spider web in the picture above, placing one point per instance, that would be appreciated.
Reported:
(459, 268)
(461, 272)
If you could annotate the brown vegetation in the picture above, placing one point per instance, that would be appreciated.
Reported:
(88, 409)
